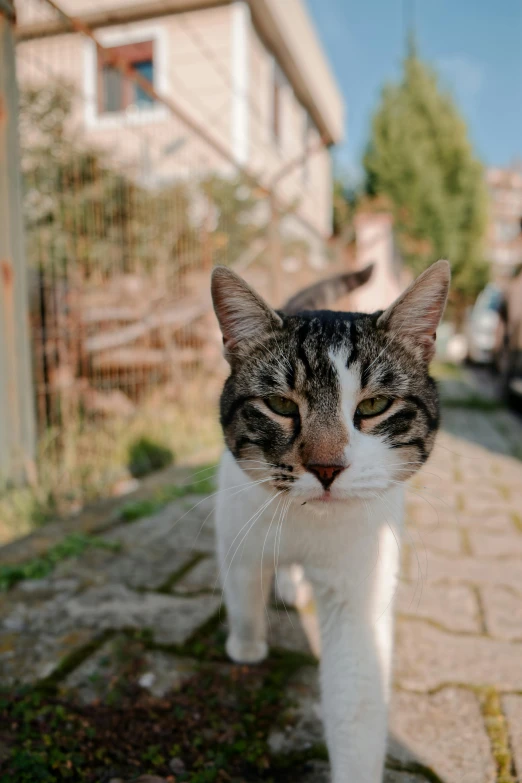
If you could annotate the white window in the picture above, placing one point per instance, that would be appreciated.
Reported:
(111, 98)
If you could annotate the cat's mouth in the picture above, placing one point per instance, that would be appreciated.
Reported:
(326, 497)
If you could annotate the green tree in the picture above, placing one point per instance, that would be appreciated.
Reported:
(420, 159)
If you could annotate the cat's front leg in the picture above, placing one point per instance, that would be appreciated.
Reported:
(245, 590)
(355, 666)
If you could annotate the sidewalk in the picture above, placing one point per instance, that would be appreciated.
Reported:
(127, 643)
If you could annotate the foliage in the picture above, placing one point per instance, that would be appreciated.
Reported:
(344, 203)
(147, 455)
(40, 567)
(93, 460)
(421, 159)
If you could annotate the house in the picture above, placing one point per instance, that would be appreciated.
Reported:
(505, 229)
(250, 73)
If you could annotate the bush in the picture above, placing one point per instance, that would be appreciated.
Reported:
(146, 456)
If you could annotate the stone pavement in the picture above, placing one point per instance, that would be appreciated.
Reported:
(456, 714)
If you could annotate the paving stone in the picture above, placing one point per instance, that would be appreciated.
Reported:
(485, 494)
(144, 566)
(172, 619)
(512, 708)
(473, 570)
(427, 658)
(432, 516)
(204, 576)
(391, 776)
(158, 672)
(503, 612)
(495, 545)
(444, 732)
(475, 507)
(186, 524)
(27, 658)
(474, 426)
(490, 521)
(285, 631)
(148, 568)
(452, 606)
(301, 727)
(441, 539)
(89, 569)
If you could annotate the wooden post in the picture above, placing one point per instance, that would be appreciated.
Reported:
(17, 406)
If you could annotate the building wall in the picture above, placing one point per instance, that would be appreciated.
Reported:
(505, 229)
(213, 64)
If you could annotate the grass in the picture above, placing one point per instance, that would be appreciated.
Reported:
(164, 496)
(147, 455)
(445, 371)
(473, 402)
(40, 567)
(496, 727)
(88, 460)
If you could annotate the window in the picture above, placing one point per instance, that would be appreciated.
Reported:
(115, 91)
(277, 99)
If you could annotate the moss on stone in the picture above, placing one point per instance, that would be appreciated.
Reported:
(497, 730)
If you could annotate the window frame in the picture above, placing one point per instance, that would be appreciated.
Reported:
(96, 119)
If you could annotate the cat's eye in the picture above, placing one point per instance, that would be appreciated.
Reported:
(373, 406)
(282, 405)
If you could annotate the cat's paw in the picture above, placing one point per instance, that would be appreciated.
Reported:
(246, 652)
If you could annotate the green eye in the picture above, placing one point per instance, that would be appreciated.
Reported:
(282, 405)
(373, 406)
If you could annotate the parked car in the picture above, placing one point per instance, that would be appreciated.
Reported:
(482, 326)
(508, 350)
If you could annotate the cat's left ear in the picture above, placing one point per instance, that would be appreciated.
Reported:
(243, 316)
(414, 317)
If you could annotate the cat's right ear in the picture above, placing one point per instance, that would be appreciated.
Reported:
(243, 316)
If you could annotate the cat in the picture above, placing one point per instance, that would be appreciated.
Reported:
(325, 416)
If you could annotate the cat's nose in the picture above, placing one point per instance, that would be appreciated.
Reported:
(326, 473)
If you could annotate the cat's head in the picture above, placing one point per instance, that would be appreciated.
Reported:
(325, 405)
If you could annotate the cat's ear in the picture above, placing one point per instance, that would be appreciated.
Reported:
(414, 317)
(243, 316)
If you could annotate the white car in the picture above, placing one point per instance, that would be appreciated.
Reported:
(482, 325)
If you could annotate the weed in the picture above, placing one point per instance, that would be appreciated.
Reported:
(165, 495)
(147, 455)
(40, 567)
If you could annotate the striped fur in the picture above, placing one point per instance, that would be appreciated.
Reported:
(291, 355)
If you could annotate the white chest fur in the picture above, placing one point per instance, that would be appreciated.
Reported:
(350, 552)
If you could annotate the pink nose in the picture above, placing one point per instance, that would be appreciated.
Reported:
(326, 473)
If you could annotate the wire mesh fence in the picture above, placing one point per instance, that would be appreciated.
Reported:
(144, 163)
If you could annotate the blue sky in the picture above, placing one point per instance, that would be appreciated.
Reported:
(476, 46)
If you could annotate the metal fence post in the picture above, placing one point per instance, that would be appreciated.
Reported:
(17, 414)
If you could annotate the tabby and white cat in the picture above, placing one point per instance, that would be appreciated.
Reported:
(325, 416)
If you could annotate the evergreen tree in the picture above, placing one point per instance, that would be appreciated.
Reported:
(421, 160)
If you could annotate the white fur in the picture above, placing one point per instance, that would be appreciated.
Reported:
(349, 550)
